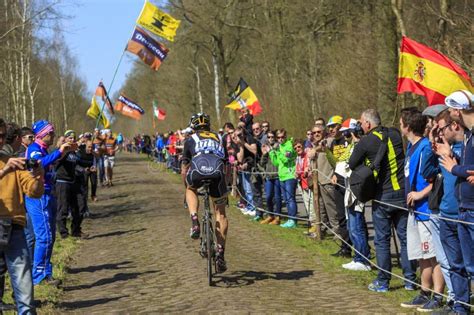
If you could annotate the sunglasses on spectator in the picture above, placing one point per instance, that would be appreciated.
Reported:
(298, 147)
(316, 132)
(255, 128)
(29, 137)
(441, 129)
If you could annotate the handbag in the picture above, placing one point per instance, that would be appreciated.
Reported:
(436, 193)
(363, 181)
(5, 232)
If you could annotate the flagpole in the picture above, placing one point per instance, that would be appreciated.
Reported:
(116, 70)
(110, 87)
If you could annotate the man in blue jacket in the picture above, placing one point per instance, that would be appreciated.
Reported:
(450, 136)
(461, 105)
(43, 210)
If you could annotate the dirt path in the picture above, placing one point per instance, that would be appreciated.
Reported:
(139, 259)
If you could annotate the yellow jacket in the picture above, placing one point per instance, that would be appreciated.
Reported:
(12, 187)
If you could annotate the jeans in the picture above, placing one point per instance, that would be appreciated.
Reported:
(466, 237)
(248, 190)
(43, 215)
(308, 202)
(19, 266)
(358, 233)
(457, 271)
(29, 235)
(273, 195)
(384, 216)
(440, 253)
(289, 190)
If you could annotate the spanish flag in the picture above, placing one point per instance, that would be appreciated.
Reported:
(158, 22)
(244, 97)
(94, 112)
(427, 72)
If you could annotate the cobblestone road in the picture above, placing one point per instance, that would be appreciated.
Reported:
(139, 259)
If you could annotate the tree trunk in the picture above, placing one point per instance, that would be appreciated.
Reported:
(216, 87)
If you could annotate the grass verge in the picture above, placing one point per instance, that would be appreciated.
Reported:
(47, 295)
(319, 252)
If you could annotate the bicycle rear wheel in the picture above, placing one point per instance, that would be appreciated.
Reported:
(210, 252)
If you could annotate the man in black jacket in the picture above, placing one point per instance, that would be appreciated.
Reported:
(391, 190)
(65, 188)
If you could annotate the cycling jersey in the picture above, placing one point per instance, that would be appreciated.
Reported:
(205, 154)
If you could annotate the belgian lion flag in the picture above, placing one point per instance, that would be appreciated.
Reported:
(158, 22)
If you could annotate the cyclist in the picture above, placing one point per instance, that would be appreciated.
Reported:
(203, 159)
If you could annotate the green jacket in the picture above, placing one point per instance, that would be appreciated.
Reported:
(285, 159)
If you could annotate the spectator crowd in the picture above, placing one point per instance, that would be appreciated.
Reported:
(422, 177)
(44, 183)
(423, 188)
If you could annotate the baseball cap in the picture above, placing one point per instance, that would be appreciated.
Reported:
(349, 123)
(461, 99)
(334, 120)
(434, 110)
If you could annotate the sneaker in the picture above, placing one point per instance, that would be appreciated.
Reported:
(251, 213)
(7, 307)
(221, 265)
(435, 303)
(346, 266)
(289, 224)
(195, 229)
(419, 300)
(356, 266)
(410, 287)
(267, 220)
(275, 221)
(257, 218)
(376, 286)
(342, 253)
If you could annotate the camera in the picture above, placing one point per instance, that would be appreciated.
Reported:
(31, 164)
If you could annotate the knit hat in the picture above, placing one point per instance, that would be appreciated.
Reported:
(334, 120)
(42, 128)
(461, 99)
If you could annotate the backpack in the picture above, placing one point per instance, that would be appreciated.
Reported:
(363, 179)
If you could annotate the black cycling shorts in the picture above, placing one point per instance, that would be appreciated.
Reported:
(207, 167)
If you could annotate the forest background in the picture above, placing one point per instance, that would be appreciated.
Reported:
(303, 59)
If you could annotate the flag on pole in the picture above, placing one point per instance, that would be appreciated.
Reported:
(105, 105)
(425, 71)
(159, 113)
(244, 97)
(158, 22)
(94, 112)
(149, 50)
(101, 92)
(129, 108)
